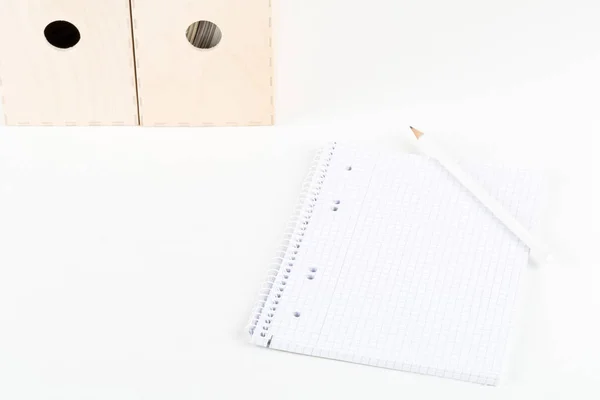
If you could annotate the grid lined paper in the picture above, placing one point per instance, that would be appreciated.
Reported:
(402, 268)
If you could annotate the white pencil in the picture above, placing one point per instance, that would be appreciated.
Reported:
(538, 250)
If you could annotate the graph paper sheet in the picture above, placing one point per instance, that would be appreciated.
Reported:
(400, 267)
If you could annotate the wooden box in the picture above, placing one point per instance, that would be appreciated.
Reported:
(67, 62)
(228, 82)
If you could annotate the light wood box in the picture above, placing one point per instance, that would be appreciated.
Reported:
(180, 85)
(91, 83)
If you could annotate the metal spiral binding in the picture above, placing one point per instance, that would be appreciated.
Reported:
(283, 263)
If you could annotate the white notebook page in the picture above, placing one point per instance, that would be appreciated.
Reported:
(400, 267)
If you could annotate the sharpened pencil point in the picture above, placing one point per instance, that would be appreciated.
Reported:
(417, 132)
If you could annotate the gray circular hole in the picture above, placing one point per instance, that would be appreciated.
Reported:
(349, 168)
(311, 277)
(334, 208)
(296, 314)
(203, 34)
(336, 202)
(313, 269)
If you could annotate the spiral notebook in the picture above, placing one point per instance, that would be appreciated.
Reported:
(390, 262)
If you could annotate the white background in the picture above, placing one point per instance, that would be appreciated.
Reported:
(130, 258)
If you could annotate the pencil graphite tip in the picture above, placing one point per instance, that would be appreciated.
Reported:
(417, 132)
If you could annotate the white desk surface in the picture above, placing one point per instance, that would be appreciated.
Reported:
(130, 258)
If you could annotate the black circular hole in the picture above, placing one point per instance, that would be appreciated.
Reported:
(203, 34)
(62, 34)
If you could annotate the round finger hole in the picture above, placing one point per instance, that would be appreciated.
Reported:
(203, 34)
(336, 202)
(311, 277)
(62, 34)
(296, 314)
(334, 208)
(349, 168)
(313, 269)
